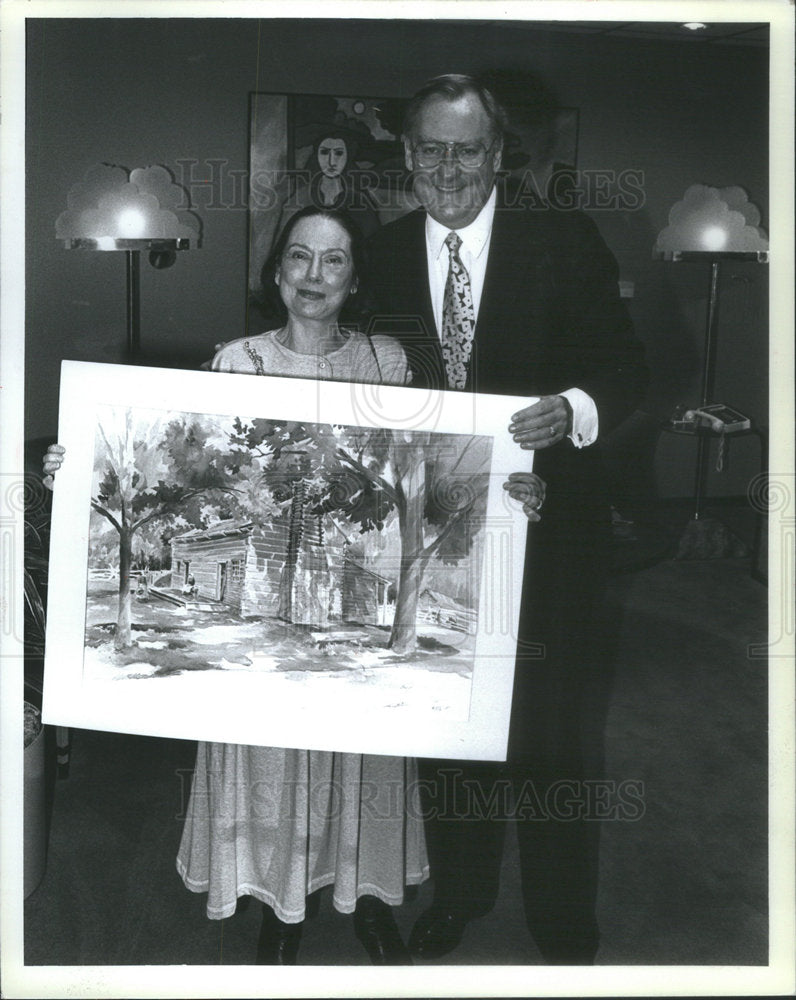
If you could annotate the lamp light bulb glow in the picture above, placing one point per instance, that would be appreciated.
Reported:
(695, 26)
(131, 223)
(714, 238)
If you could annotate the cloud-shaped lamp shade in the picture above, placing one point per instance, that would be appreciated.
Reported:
(111, 210)
(712, 221)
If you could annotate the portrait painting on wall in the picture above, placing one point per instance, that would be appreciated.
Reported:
(336, 568)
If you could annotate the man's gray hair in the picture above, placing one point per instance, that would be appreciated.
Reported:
(451, 87)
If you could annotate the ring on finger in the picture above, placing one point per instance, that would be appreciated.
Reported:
(552, 430)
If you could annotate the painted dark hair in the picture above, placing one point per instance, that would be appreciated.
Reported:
(451, 87)
(356, 306)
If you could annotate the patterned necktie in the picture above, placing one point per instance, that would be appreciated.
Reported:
(458, 317)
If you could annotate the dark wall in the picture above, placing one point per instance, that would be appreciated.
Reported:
(143, 91)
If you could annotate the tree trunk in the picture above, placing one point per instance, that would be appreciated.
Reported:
(403, 638)
(410, 465)
(123, 638)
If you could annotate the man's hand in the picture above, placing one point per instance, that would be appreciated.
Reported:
(543, 424)
(529, 490)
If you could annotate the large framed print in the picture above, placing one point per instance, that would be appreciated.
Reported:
(284, 562)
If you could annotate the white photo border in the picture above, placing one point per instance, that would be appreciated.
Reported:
(213, 981)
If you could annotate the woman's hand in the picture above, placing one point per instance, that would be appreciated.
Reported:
(529, 490)
(51, 463)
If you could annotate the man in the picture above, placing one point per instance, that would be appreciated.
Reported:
(522, 302)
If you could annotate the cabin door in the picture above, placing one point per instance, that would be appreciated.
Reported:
(221, 581)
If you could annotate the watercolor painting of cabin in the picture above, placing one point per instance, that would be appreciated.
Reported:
(312, 565)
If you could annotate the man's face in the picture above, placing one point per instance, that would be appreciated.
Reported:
(450, 192)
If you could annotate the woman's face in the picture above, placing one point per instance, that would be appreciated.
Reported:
(332, 157)
(316, 273)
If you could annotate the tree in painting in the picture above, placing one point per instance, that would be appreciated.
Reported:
(145, 473)
(435, 483)
(439, 496)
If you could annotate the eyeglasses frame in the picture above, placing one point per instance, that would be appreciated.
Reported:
(450, 150)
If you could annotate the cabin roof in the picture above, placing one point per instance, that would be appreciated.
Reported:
(369, 572)
(223, 529)
(442, 599)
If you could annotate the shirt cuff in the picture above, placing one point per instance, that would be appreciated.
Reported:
(585, 422)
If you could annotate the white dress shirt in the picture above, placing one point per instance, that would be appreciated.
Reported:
(474, 253)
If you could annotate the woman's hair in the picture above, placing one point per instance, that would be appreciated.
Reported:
(451, 87)
(355, 307)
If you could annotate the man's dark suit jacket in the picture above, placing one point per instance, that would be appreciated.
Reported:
(550, 319)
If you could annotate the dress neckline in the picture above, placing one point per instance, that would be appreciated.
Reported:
(349, 338)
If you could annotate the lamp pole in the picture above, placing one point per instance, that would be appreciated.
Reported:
(707, 388)
(133, 304)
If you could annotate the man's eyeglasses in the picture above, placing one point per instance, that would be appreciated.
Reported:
(468, 154)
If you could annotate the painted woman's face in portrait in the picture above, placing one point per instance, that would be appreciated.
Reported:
(332, 157)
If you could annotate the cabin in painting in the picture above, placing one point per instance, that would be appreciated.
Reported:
(309, 575)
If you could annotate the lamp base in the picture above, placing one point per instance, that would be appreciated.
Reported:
(709, 538)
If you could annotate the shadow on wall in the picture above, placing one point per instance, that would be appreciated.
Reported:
(670, 330)
(671, 342)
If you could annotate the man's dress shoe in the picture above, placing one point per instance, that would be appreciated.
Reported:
(436, 933)
(376, 929)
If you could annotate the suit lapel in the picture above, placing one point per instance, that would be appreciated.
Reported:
(416, 272)
(422, 343)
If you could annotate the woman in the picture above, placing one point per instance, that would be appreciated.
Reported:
(315, 268)
(278, 823)
(275, 823)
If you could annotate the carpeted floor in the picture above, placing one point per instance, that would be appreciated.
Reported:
(682, 874)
